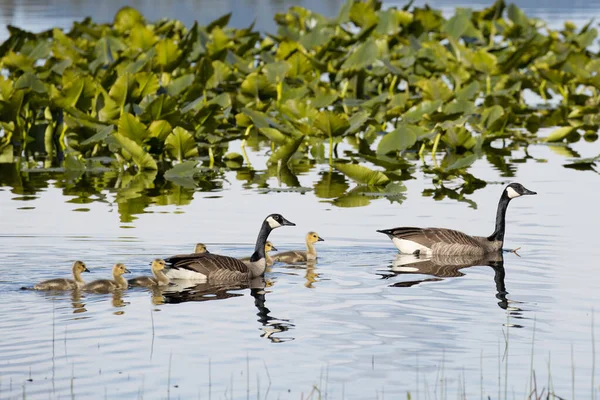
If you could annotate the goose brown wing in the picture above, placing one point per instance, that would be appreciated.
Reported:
(207, 263)
(430, 236)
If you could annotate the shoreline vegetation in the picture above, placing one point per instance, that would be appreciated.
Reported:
(397, 88)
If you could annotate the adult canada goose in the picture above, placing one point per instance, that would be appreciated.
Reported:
(159, 278)
(296, 256)
(65, 284)
(200, 248)
(268, 247)
(107, 285)
(411, 240)
(214, 267)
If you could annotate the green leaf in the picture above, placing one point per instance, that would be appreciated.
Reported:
(180, 144)
(491, 115)
(285, 152)
(132, 128)
(127, 18)
(400, 139)
(274, 135)
(457, 25)
(275, 72)
(183, 174)
(177, 86)
(133, 150)
(363, 56)
(30, 81)
(167, 54)
(331, 123)
(416, 113)
(362, 174)
(484, 61)
(463, 162)
(147, 84)
(559, 133)
(100, 136)
(160, 129)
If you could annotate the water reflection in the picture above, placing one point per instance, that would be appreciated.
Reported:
(438, 267)
(182, 291)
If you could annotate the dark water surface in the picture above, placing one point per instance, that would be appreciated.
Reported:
(356, 325)
(349, 326)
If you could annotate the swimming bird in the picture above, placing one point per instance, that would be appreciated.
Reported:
(296, 256)
(410, 240)
(107, 285)
(214, 267)
(65, 284)
(200, 248)
(268, 247)
(159, 278)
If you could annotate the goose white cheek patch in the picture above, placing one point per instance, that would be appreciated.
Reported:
(512, 193)
(272, 223)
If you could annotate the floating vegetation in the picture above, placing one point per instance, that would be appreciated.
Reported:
(161, 102)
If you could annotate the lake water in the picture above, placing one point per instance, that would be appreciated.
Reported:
(347, 327)
(37, 15)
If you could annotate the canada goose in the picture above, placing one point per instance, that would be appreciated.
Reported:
(200, 248)
(450, 242)
(214, 267)
(296, 256)
(159, 278)
(268, 247)
(106, 285)
(65, 284)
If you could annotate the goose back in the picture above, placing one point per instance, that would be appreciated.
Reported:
(412, 240)
(209, 266)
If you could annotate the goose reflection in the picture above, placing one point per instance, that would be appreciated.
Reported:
(206, 291)
(439, 267)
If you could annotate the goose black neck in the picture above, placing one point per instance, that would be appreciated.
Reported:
(498, 234)
(261, 240)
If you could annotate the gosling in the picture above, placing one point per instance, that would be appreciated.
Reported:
(268, 259)
(296, 256)
(65, 284)
(200, 248)
(107, 285)
(159, 278)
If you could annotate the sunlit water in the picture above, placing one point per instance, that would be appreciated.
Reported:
(348, 327)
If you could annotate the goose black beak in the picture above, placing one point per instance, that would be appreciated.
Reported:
(528, 192)
(274, 248)
(86, 270)
(320, 239)
(127, 271)
(287, 223)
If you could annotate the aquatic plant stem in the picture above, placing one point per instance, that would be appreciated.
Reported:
(243, 146)
(434, 149)
(330, 150)
(211, 158)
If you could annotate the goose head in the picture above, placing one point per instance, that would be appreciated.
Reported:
(158, 264)
(313, 237)
(79, 267)
(515, 190)
(120, 269)
(200, 248)
(269, 247)
(277, 220)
